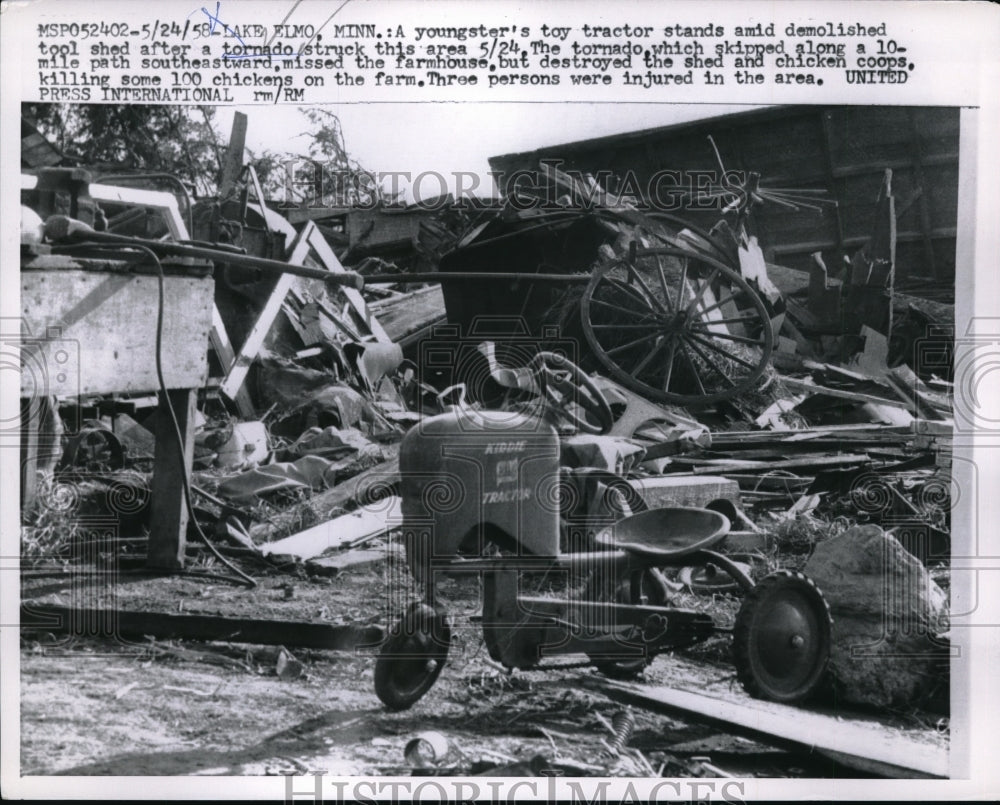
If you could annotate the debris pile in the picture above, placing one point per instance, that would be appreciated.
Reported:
(814, 412)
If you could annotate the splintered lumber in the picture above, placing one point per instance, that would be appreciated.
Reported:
(119, 623)
(341, 532)
(410, 313)
(856, 742)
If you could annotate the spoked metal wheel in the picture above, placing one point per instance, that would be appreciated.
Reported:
(412, 658)
(677, 327)
(782, 637)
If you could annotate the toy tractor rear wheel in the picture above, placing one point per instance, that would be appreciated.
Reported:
(412, 658)
(652, 589)
(782, 638)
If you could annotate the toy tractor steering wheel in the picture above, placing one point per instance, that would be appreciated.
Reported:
(562, 383)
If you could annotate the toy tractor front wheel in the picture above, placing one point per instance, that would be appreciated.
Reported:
(412, 657)
(782, 638)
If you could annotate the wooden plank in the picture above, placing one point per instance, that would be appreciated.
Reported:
(119, 623)
(95, 331)
(410, 313)
(857, 743)
(219, 339)
(302, 214)
(31, 423)
(807, 247)
(171, 465)
(825, 117)
(800, 384)
(248, 352)
(349, 529)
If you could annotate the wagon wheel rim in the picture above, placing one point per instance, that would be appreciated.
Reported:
(677, 326)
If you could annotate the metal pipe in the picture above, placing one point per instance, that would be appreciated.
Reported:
(446, 276)
(61, 227)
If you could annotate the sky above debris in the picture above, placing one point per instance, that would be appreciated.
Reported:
(445, 138)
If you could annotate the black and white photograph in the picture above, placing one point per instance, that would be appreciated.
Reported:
(604, 450)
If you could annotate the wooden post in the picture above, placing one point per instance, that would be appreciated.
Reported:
(168, 513)
(31, 423)
(233, 161)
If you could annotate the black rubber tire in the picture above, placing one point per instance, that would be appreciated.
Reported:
(759, 647)
(412, 657)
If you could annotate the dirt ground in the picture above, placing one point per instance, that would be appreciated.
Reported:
(98, 707)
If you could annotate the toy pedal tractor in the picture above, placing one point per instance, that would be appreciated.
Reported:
(473, 478)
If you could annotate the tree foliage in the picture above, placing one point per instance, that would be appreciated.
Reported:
(185, 141)
(156, 139)
(325, 175)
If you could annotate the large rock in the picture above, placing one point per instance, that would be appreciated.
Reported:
(887, 613)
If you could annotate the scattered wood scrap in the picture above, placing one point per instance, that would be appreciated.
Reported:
(122, 623)
(856, 742)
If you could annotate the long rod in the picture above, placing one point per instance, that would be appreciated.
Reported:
(58, 228)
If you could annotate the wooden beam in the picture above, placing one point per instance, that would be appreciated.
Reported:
(119, 623)
(31, 423)
(800, 384)
(341, 532)
(219, 339)
(233, 161)
(831, 180)
(858, 743)
(918, 173)
(807, 247)
(255, 340)
(171, 467)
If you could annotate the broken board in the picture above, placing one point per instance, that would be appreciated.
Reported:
(341, 532)
(854, 741)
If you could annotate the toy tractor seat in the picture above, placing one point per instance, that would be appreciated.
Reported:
(662, 536)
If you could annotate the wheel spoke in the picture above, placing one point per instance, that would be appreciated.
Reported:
(712, 363)
(720, 303)
(735, 320)
(649, 356)
(683, 284)
(663, 284)
(721, 351)
(650, 325)
(670, 363)
(630, 344)
(728, 336)
(694, 370)
(634, 272)
(629, 311)
(701, 291)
